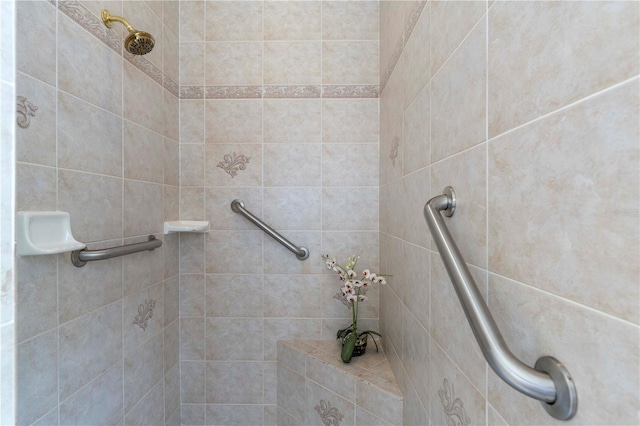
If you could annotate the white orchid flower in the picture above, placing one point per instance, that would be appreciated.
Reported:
(351, 274)
(362, 298)
(351, 298)
(366, 273)
(357, 283)
(382, 281)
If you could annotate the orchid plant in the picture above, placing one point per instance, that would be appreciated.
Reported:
(351, 294)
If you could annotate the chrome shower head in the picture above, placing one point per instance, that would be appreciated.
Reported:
(137, 42)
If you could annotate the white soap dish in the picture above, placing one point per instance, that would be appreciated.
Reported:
(39, 233)
(186, 226)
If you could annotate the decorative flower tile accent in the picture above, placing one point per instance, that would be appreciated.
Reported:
(453, 407)
(330, 415)
(25, 110)
(234, 92)
(145, 313)
(351, 91)
(394, 150)
(292, 92)
(232, 163)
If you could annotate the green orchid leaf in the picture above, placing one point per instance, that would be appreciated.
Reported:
(347, 347)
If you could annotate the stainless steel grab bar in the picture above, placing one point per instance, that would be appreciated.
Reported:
(81, 257)
(549, 382)
(301, 252)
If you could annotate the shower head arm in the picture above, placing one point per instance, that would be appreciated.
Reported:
(108, 20)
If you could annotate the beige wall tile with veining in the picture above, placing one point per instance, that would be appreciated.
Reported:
(535, 323)
(458, 98)
(172, 348)
(292, 62)
(233, 165)
(413, 410)
(391, 208)
(350, 62)
(143, 154)
(191, 253)
(36, 50)
(577, 157)
(234, 252)
(192, 295)
(292, 20)
(345, 208)
(349, 164)
(150, 410)
(36, 295)
(171, 162)
(233, 414)
(291, 165)
(171, 300)
(218, 207)
(143, 99)
(231, 20)
(142, 370)
(417, 61)
(171, 115)
(287, 329)
(191, 165)
(291, 391)
(292, 296)
(37, 377)
(350, 120)
(88, 69)
(192, 203)
(416, 283)
(234, 382)
(192, 63)
(451, 23)
(416, 148)
(91, 144)
(35, 187)
(143, 213)
(171, 55)
(171, 392)
(223, 342)
(192, 17)
(546, 55)
(391, 35)
(292, 120)
(232, 121)
(192, 380)
(94, 203)
(415, 192)
(222, 294)
(350, 20)
(192, 339)
(233, 63)
(192, 120)
(142, 269)
(37, 143)
(88, 346)
(391, 131)
(292, 208)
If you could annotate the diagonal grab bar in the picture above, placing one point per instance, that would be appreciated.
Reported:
(549, 382)
(301, 252)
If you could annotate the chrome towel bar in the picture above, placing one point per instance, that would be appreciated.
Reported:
(549, 382)
(301, 252)
(81, 257)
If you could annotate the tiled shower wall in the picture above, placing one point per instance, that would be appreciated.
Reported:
(279, 108)
(97, 136)
(530, 111)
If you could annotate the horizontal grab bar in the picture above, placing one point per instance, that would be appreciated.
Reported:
(81, 257)
(549, 382)
(301, 252)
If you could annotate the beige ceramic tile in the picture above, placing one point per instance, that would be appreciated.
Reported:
(149, 409)
(315, 393)
(143, 211)
(171, 17)
(171, 115)
(291, 165)
(192, 63)
(287, 329)
(151, 298)
(171, 392)
(391, 323)
(415, 194)
(142, 370)
(349, 164)
(417, 64)
(192, 203)
(171, 163)
(143, 154)
(458, 98)
(192, 339)
(391, 132)
(292, 20)
(192, 295)
(565, 252)
(350, 120)
(349, 209)
(350, 62)
(451, 23)
(170, 248)
(192, 414)
(234, 382)
(292, 62)
(35, 294)
(218, 207)
(572, 49)
(89, 70)
(413, 411)
(357, 20)
(192, 385)
(143, 99)
(341, 245)
(171, 301)
(191, 165)
(535, 323)
(292, 208)
(416, 148)
(192, 120)
(191, 253)
(230, 20)
(223, 342)
(234, 252)
(233, 165)
(291, 392)
(192, 17)
(35, 187)
(36, 50)
(494, 418)
(233, 63)
(279, 260)
(171, 55)
(283, 289)
(141, 269)
(391, 36)
(231, 121)
(222, 292)
(392, 264)
(292, 120)
(94, 203)
(417, 282)
(235, 414)
(37, 143)
(391, 211)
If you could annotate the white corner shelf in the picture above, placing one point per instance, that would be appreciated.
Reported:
(186, 226)
(42, 233)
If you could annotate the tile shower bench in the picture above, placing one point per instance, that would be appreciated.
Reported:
(316, 388)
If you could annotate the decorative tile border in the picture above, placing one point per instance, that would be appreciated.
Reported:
(233, 92)
(453, 407)
(291, 91)
(408, 29)
(279, 92)
(350, 91)
(24, 110)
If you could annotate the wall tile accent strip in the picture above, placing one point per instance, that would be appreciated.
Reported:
(409, 26)
(279, 92)
(145, 313)
(350, 91)
(330, 415)
(232, 163)
(291, 91)
(25, 110)
(453, 407)
(233, 92)
(87, 20)
(394, 150)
